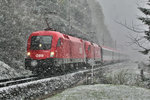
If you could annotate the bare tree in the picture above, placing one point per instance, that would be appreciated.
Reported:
(143, 40)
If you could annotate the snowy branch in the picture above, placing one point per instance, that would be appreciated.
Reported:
(132, 28)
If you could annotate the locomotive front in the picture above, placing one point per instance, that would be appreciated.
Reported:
(40, 51)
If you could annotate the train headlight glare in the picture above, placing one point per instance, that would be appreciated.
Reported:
(52, 54)
(40, 45)
(28, 53)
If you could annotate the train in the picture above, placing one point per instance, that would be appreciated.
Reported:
(51, 51)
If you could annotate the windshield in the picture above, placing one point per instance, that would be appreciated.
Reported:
(41, 42)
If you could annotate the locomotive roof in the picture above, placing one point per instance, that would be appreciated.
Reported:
(55, 33)
(47, 33)
(109, 49)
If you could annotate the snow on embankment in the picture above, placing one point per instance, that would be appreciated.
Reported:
(37, 89)
(103, 92)
(7, 72)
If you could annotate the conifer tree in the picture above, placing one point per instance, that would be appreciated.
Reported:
(146, 21)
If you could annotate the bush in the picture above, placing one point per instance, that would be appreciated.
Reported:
(123, 77)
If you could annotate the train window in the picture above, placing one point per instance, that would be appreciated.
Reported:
(106, 52)
(89, 47)
(41, 42)
(59, 42)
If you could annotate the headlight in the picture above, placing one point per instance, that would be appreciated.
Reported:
(52, 54)
(28, 54)
(40, 45)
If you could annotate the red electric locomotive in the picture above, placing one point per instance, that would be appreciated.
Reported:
(93, 52)
(47, 50)
(97, 54)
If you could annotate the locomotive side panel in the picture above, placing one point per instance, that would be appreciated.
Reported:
(92, 52)
(63, 51)
(77, 50)
(97, 53)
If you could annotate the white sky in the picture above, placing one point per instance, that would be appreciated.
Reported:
(121, 10)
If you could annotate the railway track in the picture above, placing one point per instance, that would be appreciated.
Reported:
(17, 80)
(87, 72)
(47, 86)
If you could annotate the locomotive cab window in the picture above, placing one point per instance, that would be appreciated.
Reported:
(41, 42)
(89, 47)
(59, 42)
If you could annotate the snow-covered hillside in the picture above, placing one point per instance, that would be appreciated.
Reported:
(6, 72)
(19, 19)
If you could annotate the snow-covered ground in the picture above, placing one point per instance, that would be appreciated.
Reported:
(126, 72)
(103, 92)
(40, 88)
(130, 71)
(129, 65)
(6, 72)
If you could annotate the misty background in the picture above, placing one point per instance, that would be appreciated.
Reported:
(124, 11)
